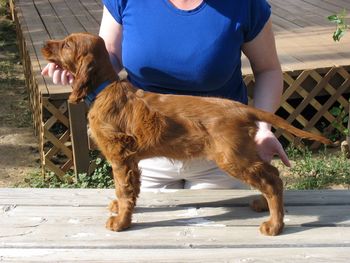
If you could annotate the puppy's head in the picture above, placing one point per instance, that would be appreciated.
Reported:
(83, 55)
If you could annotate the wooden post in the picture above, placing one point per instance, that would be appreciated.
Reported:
(79, 137)
(348, 133)
(12, 9)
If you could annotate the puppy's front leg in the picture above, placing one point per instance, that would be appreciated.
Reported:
(127, 185)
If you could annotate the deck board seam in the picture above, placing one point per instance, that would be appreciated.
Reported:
(184, 246)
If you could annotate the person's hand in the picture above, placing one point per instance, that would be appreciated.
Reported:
(58, 75)
(268, 146)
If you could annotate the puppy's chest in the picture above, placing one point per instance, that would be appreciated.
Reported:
(101, 122)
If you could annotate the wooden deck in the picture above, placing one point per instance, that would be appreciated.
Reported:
(313, 66)
(67, 225)
(304, 35)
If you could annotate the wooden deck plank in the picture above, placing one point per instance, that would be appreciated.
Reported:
(53, 216)
(314, 40)
(284, 10)
(148, 236)
(36, 28)
(32, 31)
(94, 7)
(101, 197)
(52, 23)
(314, 15)
(268, 255)
(66, 17)
(306, 36)
(88, 231)
(83, 15)
(330, 7)
(341, 4)
(56, 28)
(65, 225)
(283, 25)
(309, 50)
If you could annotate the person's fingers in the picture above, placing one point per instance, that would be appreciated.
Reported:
(70, 78)
(45, 70)
(283, 156)
(64, 78)
(52, 68)
(56, 77)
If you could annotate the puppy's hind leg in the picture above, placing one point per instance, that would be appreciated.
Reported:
(127, 184)
(260, 205)
(263, 177)
(271, 185)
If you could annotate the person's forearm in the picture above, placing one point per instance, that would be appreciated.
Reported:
(111, 32)
(117, 65)
(268, 91)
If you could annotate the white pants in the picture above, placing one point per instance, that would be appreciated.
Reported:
(163, 173)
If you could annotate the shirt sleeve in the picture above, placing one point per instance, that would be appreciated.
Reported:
(258, 14)
(116, 8)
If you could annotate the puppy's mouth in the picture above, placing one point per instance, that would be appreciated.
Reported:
(50, 52)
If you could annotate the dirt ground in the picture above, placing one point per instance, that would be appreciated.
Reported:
(19, 154)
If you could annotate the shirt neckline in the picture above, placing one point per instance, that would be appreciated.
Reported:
(185, 12)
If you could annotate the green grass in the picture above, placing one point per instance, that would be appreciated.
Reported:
(318, 171)
(101, 178)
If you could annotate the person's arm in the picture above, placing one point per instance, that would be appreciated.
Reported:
(111, 31)
(261, 52)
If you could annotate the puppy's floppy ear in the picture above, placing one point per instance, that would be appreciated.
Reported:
(83, 76)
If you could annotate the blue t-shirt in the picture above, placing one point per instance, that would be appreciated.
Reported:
(196, 52)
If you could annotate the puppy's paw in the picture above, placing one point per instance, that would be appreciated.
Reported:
(113, 206)
(270, 229)
(259, 205)
(115, 224)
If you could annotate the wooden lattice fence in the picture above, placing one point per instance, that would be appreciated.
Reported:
(308, 98)
(57, 150)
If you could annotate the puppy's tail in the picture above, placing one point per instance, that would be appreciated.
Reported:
(284, 125)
